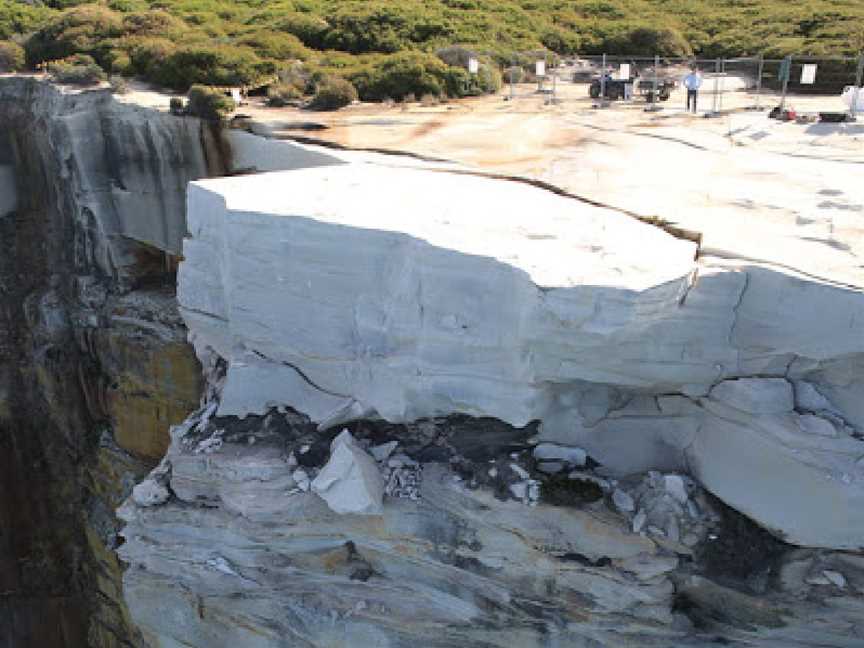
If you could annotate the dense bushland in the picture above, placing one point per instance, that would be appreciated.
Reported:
(393, 48)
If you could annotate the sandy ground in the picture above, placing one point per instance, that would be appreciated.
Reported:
(784, 193)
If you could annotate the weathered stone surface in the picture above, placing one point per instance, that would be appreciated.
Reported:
(605, 330)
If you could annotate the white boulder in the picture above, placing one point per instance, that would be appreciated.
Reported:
(554, 452)
(150, 493)
(350, 481)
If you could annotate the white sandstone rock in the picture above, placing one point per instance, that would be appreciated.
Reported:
(808, 398)
(418, 294)
(812, 424)
(382, 452)
(835, 577)
(553, 452)
(756, 395)
(623, 502)
(150, 493)
(674, 485)
(350, 481)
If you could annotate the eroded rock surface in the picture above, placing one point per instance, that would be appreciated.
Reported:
(357, 291)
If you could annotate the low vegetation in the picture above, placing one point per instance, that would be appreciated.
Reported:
(333, 93)
(208, 103)
(390, 49)
(77, 69)
(11, 57)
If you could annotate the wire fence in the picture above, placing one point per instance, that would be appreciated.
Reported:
(818, 84)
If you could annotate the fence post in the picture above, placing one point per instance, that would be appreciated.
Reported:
(858, 74)
(654, 87)
(603, 82)
(786, 81)
(715, 110)
(554, 82)
(759, 81)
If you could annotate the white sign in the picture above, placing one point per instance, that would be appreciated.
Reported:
(624, 71)
(540, 68)
(473, 65)
(808, 73)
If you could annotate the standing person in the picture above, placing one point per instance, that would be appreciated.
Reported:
(692, 82)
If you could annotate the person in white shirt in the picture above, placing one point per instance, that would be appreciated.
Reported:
(692, 82)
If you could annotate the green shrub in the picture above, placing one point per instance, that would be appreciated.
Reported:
(456, 55)
(280, 94)
(78, 69)
(119, 85)
(88, 29)
(560, 40)
(148, 54)
(275, 45)
(333, 93)
(309, 29)
(156, 22)
(210, 65)
(209, 103)
(408, 72)
(118, 61)
(514, 74)
(648, 41)
(21, 18)
(11, 57)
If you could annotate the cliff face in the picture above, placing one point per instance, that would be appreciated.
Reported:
(93, 360)
(445, 410)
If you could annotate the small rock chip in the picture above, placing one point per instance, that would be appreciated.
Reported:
(623, 502)
(674, 485)
(519, 470)
(554, 452)
(382, 452)
(519, 490)
(835, 577)
(150, 493)
(301, 478)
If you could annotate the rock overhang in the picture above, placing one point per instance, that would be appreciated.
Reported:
(363, 290)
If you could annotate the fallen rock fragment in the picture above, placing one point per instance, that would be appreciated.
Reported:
(835, 578)
(150, 493)
(554, 452)
(623, 502)
(350, 481)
